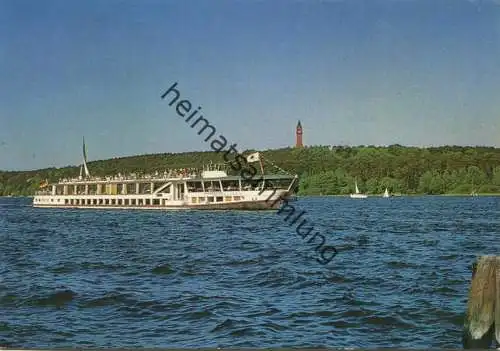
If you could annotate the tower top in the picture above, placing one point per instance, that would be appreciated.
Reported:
(299, 125)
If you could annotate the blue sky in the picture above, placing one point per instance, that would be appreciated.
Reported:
(412, 72)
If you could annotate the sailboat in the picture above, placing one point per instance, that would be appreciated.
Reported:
(386, 193)
(357, 194)
(473, 192)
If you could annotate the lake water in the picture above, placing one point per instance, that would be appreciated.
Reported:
(84, 278)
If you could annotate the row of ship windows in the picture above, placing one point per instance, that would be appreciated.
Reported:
(145, 202)
(119, 202)
(196, 200)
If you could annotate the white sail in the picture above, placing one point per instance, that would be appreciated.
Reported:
(357, 194)
(386, 193)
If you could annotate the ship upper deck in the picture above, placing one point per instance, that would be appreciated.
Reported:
(155, 178)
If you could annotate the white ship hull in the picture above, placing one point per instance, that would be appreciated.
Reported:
(245, 200)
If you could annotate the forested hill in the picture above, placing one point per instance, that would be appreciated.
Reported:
(323, 169)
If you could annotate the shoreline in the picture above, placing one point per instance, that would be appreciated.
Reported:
(409, 195)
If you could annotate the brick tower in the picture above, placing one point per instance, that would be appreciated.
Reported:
(298, 135)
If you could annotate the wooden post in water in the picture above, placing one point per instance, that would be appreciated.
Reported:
(482, 319)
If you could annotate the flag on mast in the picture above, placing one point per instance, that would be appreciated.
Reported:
(253, 157)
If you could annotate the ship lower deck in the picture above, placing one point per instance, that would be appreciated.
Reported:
(243, 205)
(261, 205)
(252, 200)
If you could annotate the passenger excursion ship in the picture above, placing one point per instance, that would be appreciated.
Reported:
(208, 189)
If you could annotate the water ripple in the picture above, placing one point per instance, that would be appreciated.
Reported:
(72, 278)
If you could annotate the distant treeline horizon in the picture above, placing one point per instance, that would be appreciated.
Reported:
(323, 170)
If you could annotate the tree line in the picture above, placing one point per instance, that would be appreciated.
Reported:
(323, 170)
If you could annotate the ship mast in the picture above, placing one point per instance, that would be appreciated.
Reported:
(87, 173)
